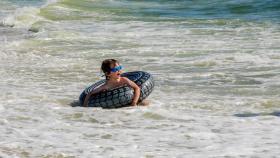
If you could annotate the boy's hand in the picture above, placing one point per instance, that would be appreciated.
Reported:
(133, 104)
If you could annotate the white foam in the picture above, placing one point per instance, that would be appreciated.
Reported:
(2, 108)
(23, 17)
(49, 2)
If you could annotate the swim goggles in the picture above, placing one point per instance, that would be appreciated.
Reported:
(117, 68)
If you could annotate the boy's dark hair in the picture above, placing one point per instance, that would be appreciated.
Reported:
(106, 66)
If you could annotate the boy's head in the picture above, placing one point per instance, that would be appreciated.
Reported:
(111, 68)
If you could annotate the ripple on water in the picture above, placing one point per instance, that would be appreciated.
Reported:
(153, 116)
(17, 151)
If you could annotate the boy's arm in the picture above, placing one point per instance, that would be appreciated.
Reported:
(136, 91)
(97, 90)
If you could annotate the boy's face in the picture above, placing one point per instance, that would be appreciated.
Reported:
(116, 74)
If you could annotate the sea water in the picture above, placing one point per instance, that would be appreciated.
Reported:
(215, 63)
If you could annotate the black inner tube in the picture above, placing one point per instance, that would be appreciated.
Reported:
(120, 96)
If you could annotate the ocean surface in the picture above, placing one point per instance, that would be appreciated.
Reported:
(216, 66)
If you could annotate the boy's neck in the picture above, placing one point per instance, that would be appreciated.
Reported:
(114, 80)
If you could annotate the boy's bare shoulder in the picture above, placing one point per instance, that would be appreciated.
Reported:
(125, 80)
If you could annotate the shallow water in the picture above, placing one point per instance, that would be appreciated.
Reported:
(216, 66)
